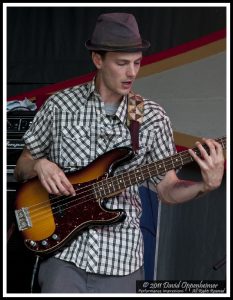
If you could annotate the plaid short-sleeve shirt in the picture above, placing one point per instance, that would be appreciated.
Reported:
(72, 129)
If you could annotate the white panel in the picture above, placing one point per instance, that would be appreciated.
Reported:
(193, 95)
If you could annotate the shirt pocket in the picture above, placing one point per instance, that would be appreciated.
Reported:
(146, 145)
(146, 140)
(112, 137)
(76, 147)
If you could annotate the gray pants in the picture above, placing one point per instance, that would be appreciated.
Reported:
(57, 276)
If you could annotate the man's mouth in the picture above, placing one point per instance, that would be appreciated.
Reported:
(127, 84)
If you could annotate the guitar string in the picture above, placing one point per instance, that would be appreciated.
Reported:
(68, 197)
(111, 179)
(85, 190)
(157, 163)
(39, 218)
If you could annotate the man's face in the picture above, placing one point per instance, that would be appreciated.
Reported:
(117, 72)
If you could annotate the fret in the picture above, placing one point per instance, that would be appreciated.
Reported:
(177, 160)
(122, 181)
(188, 157)
(137, 173)
(159, 167)
(132, 177)
(107, 185)
(130, 182)
(148, 170)
(168, 162)
(95, 191)
(157, 172)
(140, 177)
(152, 169)
(110, 186)
(119, 182)
(101, 189)
(164, 166)
(173, 166)
(180, 155)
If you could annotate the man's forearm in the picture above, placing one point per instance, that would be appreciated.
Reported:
(25, 169)
(183, 191)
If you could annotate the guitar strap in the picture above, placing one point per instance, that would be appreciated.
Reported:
(135, 117)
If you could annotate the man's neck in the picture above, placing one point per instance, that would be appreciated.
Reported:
(107, 96)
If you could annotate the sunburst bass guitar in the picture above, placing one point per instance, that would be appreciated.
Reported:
(47, 222)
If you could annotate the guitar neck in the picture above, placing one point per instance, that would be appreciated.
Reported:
(117, 183)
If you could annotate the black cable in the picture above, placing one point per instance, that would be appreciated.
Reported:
(34, 272)
(220, 263)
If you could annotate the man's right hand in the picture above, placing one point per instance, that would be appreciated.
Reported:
(53, 178)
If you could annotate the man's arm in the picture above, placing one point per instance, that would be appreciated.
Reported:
(24, 169)
(51, 176)
(173, 190)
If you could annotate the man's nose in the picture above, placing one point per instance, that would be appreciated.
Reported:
(131, 71)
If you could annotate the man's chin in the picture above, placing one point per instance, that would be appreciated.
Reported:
(124, 92)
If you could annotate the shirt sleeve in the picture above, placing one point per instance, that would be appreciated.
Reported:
(38, 137)
(163, 144)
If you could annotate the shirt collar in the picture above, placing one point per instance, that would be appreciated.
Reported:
(122, 109)
(91, 88)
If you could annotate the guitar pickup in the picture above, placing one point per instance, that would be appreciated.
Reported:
(23, 218)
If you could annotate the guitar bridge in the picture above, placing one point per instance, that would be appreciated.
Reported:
(23, 218)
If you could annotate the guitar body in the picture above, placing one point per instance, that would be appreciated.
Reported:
(48, 222)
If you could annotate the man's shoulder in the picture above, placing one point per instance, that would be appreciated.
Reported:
(77, 91)
(71, 96)
(152, 106)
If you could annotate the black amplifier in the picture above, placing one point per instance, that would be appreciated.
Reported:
(17, 124)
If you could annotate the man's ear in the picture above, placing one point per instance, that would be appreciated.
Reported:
(97, 60)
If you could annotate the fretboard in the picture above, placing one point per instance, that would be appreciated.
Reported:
(119, 182)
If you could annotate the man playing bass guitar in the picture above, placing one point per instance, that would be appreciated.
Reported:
(72, 129)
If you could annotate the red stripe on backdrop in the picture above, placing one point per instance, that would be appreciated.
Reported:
(207, 39)
(42, 94)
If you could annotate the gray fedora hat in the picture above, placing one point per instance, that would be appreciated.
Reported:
(116, 32)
